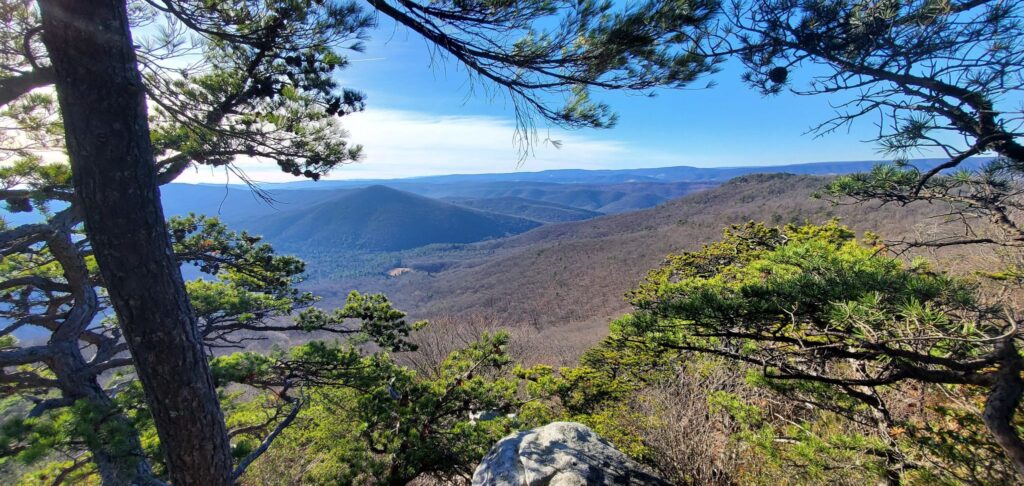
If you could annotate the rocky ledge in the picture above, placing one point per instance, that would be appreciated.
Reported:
(559, 454)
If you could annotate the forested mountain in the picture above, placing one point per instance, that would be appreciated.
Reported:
(379, 218)
(602, 191)
(239, 204)
(574, 268)
(603, 198)
(618, 176)
(346, 229)
(567, 277)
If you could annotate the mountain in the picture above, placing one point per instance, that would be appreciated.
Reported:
(567, 280)
(545, 212)
(605, 191)
(243, 207)
(379, 218)
(604, 198)
(618, 176)
(571, 187)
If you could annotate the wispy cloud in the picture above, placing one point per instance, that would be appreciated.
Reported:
(402, 143)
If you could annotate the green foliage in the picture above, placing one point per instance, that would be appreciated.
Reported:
(761, 291)
(817, 449)
(248, 289)
(392, 425)
(72, 472)
(246, 367)
(38, 183)
(382, 324)
(28, 440)
(34, 441)
(830, 332)
(239, 258)
(568, 48)
(598, 397)
(267, 88)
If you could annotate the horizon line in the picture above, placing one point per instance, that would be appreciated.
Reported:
(457, 174)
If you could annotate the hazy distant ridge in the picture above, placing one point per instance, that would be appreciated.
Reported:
(379, 218)
(612, 176)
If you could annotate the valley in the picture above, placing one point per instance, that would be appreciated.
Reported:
(564, 282)
(555, 259)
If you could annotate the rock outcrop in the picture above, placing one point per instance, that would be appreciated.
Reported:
(559, 454)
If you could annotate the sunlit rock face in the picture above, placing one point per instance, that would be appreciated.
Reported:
(559, 454)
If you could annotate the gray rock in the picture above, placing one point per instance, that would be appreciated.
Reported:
(559, 454)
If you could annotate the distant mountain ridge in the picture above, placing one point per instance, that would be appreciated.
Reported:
(379, 218)
(614, 176)
(604, 191)
(369, 223)
(240, 205)
(236, 202)
(602, 198)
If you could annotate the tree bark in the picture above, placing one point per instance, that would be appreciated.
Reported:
(1003, 402)
(14, 87)
(102, 100)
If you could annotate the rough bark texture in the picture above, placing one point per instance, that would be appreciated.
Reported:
(103, 104)
(1003, 402)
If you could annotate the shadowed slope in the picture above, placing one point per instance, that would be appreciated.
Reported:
(378, 218)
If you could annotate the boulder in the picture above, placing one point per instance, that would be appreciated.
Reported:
(559, 454)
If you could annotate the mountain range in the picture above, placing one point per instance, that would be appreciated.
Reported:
(379, 218)
(615, 176)
(365, 227)
(562, 283)
(556, 251)
(368, 228)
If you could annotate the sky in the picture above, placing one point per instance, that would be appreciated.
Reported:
(424, 117)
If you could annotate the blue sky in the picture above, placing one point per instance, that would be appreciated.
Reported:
(425, 117)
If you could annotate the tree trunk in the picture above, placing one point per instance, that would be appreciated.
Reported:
(102, 102)
(1002, 403)
(113, 442)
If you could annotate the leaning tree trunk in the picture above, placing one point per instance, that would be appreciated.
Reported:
(102, 101)
(113, 443)
(1002, 404)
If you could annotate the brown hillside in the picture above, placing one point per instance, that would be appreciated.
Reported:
(566, 281)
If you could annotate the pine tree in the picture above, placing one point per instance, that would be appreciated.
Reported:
(144, 93)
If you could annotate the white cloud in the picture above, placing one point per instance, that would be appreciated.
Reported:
(401, 143)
